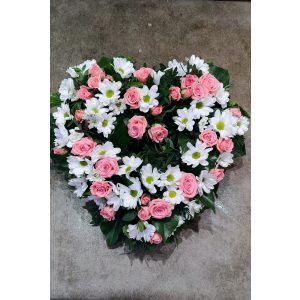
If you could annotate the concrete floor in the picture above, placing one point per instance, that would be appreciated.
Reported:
(213, 259)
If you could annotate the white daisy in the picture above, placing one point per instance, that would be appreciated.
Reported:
(173, 195)
(147, 97)
(105, 125)
(223, 123)
(202, 124)
(92, 120)
(194, 207)
(196, 155)
(150, 177)
(141, 230)
(117, 107)
(78, 166)
(222, 96)
(202, 108)
(107, 149)
(110, 91)
(61, 136)
(225, 159)
(171, 176)
(157, 76)
(241, 125)
(206, 182)
(184, 120)
(123, 67)
(75, 135)
(198, 63)
(79, 184)
(94, 107)
(63, 114)
(83, 67)
(101, 202)
(181, 68)
(94, 176)
(114, 200)
(130, 164)
(67, 90)
(131, 194)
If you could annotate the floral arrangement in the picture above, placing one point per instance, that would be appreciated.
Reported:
(146, 148)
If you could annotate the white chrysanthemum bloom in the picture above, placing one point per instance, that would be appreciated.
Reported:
(131, 194)
(101, 202)
(181, 221)
(196, 155)
(130, 164)
(173, 194)
(117, 107)
(142, 230)
(61, 136)
(157, 76)
(78, 166)
(105, 125)
(184, 120)
(194, 207)
(241, 125)
(85, 66)
(223, 123)
(94, 176)
(107, 149)
(75, 135)
(181, 68)
(222, 96)
(67, 90)
(123, 67)
(114, 200)
(110, 91)
(198, 63)
(203, 123)
(63, 114)
(94, 107)
(206, 182)
(147, 97)
(150, 177)
(225, 159)
(79, 184)
(92, 120)
(170, 177)
(202, 108)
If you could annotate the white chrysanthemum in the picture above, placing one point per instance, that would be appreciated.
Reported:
(147, 97)
(184, 120)
(181, 68)
(131, 194)
(223, 123)
(78, 166)
(150, 177)
(75, 135)
(123, 67)
(105, 125)
(202, 108)
(63, 114)
(173, 194)
(107, 149)
(94, 176)
(222, 96)
(181, 221)
(94, 107)
(79, 184)
(206, 182)
(194, 207)
(61, 136)
(114, 200)
(157, 76)
(196, 155)
(225, 159)
(241, 125)
(130, 164)
(110, 91)
(117, 107)
(101, 202)
(203, 123)
(198, 63)
(84, 67)
(142, 230)
(67, 90)
(171, 176)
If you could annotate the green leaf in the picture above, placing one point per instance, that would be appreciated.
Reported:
(166, 226)
(129, 216)
(112, 231)
(220, 73)
(55, 100)
(244, 112)
(183, 139)
(120, 137)
(106, 64)
(208, 200)
(239, 148)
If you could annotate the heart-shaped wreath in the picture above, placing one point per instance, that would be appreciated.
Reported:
(146, 148)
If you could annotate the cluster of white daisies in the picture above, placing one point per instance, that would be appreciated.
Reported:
(93, 165)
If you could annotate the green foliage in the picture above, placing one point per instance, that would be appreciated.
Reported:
(221, 74)
(112, 231)
(129, 216)
(208, 200)
(93, 210)
(239, 148)
(54, 100)
(120, 137)
(166, 226)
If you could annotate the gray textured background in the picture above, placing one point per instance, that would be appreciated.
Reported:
(213, 259)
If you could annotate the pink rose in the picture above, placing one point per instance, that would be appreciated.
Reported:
(59, 151)
(156, 238)
(188, 184)
(109, 77)
(225, 145)
(83, 147)
(188, 81)
(236, 112)
(156, 110)
(158, 133)
(145, 199)
(187, 93)
(175, 93)
(79, 113)
(218, 173)
(208, 137)
(142, 74)
(83, 93)
(132, 98)
(108, 213)
(96, 71)
(160, 209)
(144, 213)
(210, 82)
(106, 167)
(137, 127)
(93, 82)
(199, 91)
(101, 188)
